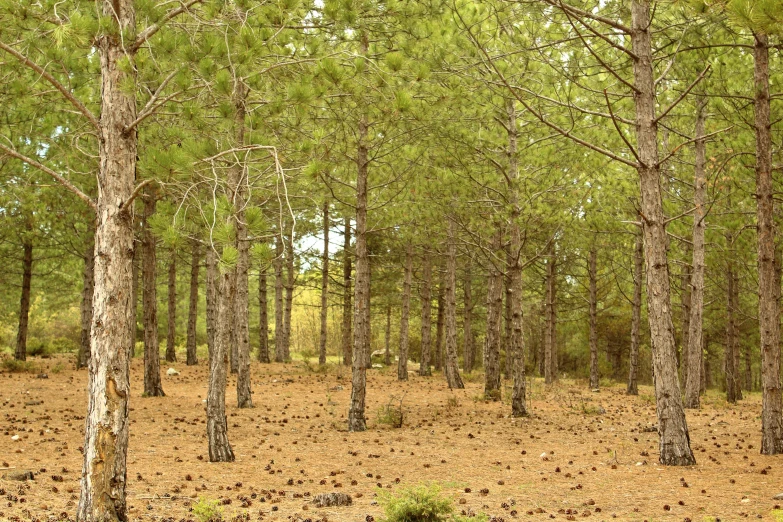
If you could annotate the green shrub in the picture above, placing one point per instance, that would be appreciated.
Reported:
(57, 368)
(14, 366)
(207, 510)
(421, 503)
(36, 347)
(62, 345)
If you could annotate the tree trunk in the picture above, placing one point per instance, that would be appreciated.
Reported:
(239, 184)
(171, 334)
(492, 339)
(135, 260)
(748, 377)
(88, 288)
(289, 296)
(731, 338)
(673, 430)
(217, 425)
(451, 364)
(104, 471)
(550, 339)
(507, 316)
(438, 362)
(592, 271)
(24, 302)
(686, 316)
(467, 327)
(361, 334)
(426, 316)
(152, 383)
(213, 289)
(190, 343)
(279, 306)
(347, 335)
(402, 360)
(636, 315)
(769, 308)
(694, 351)
(387, 338)
(263, 317)
(324, 288)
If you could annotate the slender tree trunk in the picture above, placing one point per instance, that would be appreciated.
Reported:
(769, 308)
(217, 425)
(736, 351)
(387, 338)
(171, 334)
(544, 330)
(438, 363)
(347, 334)
(88, 288)
(592, 271)
(324, 288)
(748, 377)
(152, 383)
(402, 362)
(694, 351)
(550, 339)
(451, 364)
(731, 338)
(507, 316)
(279, 306)
(239, 184)
(492, 339)
(636, 315)
(213, 289)
(289, 296)
(135, 260)
(104, 472)
(673, 430)
(426, 316)
(263, 317)
(361, 333)
(467, 326)
(686, 316)
(516, 346)
(190, 343)
(24, 302)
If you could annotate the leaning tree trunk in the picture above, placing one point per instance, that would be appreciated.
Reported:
(190, 343)
(731, 338)
(467, 327)
(694, 352)
(550, 334)
(636, 316)
(171, 353)
(213, 288)
(451, 364)
(438, 363)
(279, 324)
(672, 428)
(217, 425)
(361, 334)
(104, 472)
(88, 288)
(347, 335)
(494, 318)
(324, 289)
(24, 303)
(263, 317)
(769, 308)
(152, 383)
(239, 184)
(289, 297)
(592, 271)
(387, 338)
(402, 360)
(426, 316)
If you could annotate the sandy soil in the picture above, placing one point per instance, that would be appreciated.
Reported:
(579, 455)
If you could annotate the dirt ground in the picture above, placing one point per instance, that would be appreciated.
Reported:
(579, 455)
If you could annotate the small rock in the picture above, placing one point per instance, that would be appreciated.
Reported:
(19, 475)
(42, 376)
(15, 438)
(779, 496)
(332, 499)
(171, 371)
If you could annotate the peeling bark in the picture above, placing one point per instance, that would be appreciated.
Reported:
(153, 386)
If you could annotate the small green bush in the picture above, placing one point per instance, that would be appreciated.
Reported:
(14, 366)
(57, 368)
(420, 503)
(207, 510)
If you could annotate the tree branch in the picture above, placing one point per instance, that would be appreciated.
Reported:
(147, 33)
(682, 95)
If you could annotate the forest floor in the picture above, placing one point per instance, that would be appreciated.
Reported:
(580, 453)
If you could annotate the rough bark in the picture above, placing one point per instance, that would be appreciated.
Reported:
(636, 316)
(217, 425)
(289, 296)
(361, 333)
(685, 298)
(694, 351)
(171, 332)
(467, 325)
(88, 288)
(507, 315)
(213, 288)
(451, 364)
(135, 272)
(492, 338)
(592, 271)
(731, 337)
(426, 316)
(190, 342)
(279, 306)
(153, 386)
(402, 361)
(24, 302)
(550, 332)
(769, 307)
(439, 324)
(387, 338)
(104, 471)
(263, 316)
(347, 334)
(672, 428)
(324, 288)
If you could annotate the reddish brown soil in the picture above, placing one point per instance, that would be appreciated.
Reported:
(293, 446)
